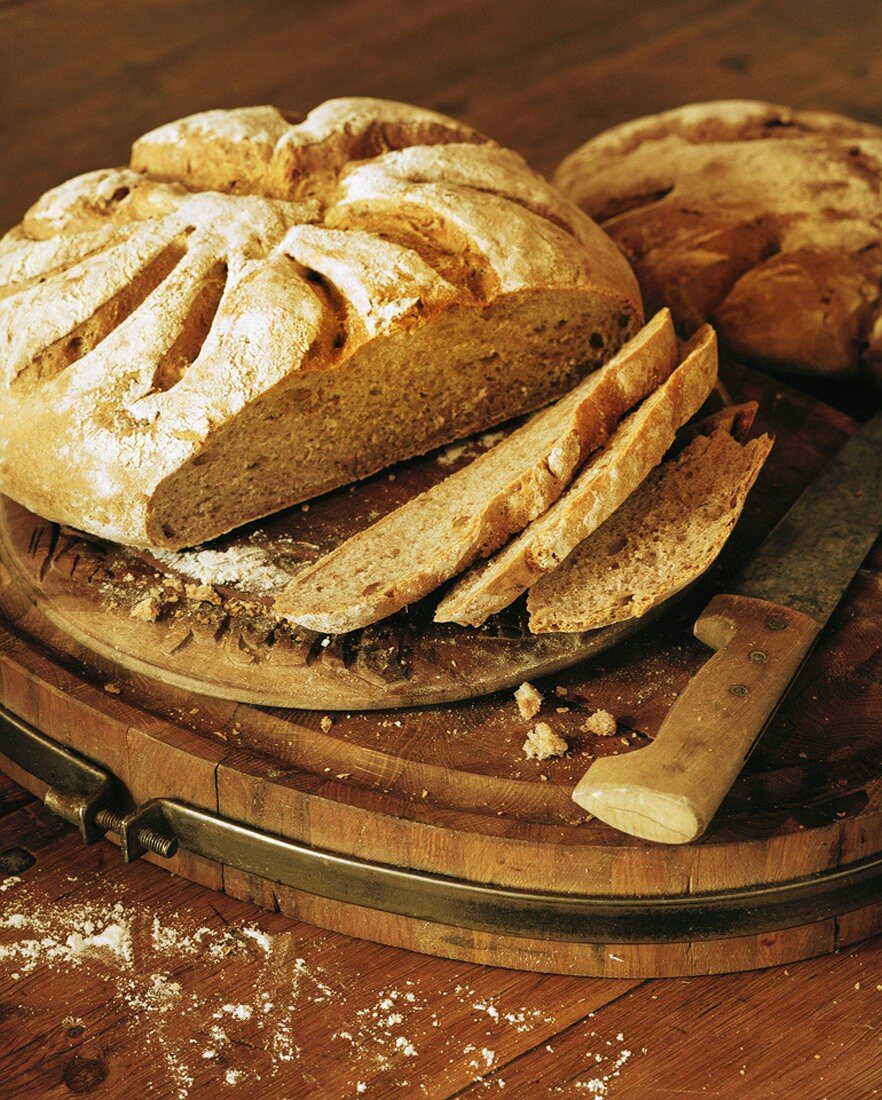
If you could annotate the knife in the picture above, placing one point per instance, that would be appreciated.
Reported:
(762, 631)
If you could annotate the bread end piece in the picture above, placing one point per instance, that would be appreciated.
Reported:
(664, 537)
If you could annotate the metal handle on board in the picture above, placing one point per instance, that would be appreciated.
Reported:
(85, 794)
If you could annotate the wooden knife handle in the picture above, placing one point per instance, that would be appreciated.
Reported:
(670, 790)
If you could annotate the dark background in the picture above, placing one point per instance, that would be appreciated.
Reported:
(80, 79)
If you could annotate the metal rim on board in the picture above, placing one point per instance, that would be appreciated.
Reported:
(84, 794)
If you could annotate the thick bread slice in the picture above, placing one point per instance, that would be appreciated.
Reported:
(412, 550)
(664, 536)
(263, 308)
(638, 444)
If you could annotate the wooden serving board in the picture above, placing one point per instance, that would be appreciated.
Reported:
(445, 789)
(231, 647)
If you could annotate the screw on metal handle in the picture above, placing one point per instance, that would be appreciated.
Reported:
(153, 841)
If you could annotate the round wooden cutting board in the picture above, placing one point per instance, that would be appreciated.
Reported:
(445, 789)
(158, 616)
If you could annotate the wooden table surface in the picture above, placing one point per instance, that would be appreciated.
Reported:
(120, 981)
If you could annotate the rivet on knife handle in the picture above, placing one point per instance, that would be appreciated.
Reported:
(670, 790)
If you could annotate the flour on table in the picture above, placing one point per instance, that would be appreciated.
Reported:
(139, 954)
(253, 1035)
(598, 1087)
(86, 932)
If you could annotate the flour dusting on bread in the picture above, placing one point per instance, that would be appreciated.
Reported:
(262, 308)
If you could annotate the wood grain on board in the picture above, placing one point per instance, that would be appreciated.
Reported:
(808, 1030)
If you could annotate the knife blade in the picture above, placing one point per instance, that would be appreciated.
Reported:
(762, 631)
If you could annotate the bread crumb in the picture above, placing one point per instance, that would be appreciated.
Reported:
(326, 723)
(601, 723)
(203, 593)
(529, 701)
(542, 742)
(147, 610)
(112, 689)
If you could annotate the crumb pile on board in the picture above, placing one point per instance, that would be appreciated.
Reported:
(172, 986)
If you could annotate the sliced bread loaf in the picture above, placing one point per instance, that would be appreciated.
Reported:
(637, 445)
(663, 537)
(263, 308)
(413, 549)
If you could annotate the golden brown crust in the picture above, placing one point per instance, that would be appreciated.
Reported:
(145, 310)
(763, 220)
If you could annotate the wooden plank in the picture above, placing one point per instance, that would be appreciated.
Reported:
(147, 78)
(12, 796)
(542, 80)
(340, 1005)
(766, 1042)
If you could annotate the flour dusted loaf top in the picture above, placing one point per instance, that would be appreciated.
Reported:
(265, 307)
(764, 220)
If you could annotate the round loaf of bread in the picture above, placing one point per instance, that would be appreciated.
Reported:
(263, 307)
(763, 220)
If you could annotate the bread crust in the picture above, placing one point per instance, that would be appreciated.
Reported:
(765, 221)
(144, 311)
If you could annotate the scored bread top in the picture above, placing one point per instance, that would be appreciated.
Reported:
(763, 220)
(143, 308)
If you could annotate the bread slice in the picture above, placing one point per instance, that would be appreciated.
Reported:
(413, 549)
(663, 537)
(263, 308)
(637, 445)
